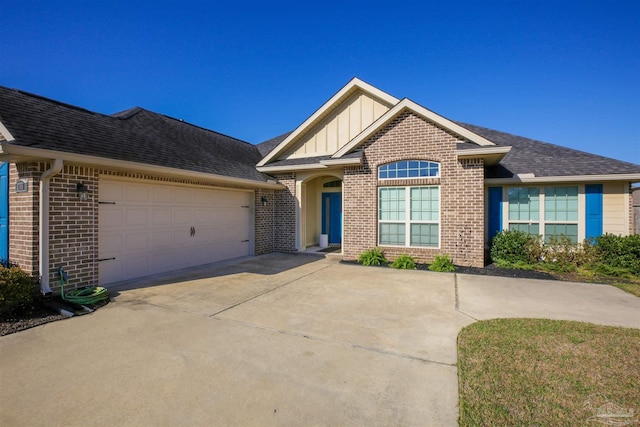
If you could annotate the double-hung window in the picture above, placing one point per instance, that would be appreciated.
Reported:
(524, 209)
(409, 216)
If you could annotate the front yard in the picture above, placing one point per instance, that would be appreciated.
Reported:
(548, 372)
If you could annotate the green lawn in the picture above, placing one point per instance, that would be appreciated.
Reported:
(541, 372)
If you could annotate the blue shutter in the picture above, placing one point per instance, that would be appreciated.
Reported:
(495, 211)
(593, 210)
(4, 211)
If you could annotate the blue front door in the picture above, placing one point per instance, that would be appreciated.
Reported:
(495, 211)
(593, 210)
(4, 211)
(332, 217)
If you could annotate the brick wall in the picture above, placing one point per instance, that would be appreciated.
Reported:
(461, 191)
(284, 222)
(264, 214)
(73, 224)
(23, 216)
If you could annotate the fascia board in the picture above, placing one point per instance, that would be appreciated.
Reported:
(349, 87)
(18, 153)
(338, 162)
(479, 152)
(627, 177)
(419, 110)
(5, 133)
(289, 168)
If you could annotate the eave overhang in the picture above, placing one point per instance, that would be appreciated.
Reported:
(490, 155)
(322, 164)
(532, 179)
(17, 153)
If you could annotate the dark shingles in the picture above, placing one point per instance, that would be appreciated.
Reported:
(267, 146)
(134, 135)
(544, 159)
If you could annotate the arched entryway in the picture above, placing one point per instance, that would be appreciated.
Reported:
(321, 211)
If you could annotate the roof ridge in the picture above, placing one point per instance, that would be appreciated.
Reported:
(53, 101)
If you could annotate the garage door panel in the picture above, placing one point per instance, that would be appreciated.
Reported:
(148, 229)
(136, 216)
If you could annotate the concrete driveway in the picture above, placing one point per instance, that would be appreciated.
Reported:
(274, 340)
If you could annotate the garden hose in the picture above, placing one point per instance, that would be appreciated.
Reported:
(87, 295)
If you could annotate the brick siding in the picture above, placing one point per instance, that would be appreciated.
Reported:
(461, 191)
(284, 224)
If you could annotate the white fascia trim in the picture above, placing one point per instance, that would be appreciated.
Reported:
(479, 152)
(419, 110)
(338, 162)
(290, 167)
(5, 133)
(354, 83)
(631, 177)
(16, 151)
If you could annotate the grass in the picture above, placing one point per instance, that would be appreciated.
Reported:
(632, 288)
(541, 372)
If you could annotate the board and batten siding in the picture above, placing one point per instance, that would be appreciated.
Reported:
(354, 115)
(615, 209)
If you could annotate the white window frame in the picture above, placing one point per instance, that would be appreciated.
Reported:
(429, 162)
(542, 221)
(408, 221)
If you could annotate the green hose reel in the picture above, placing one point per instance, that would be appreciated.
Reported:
(88, 295)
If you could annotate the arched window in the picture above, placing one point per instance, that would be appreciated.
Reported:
(409, 169)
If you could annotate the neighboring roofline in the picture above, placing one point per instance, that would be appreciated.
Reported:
(17, 153)
(346, 90)
(491, 155)
(322, 164)
(532, 179)
(419, 110)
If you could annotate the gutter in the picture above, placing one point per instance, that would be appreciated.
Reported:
(43, 224)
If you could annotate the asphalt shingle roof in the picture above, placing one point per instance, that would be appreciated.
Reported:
(544, 159)
(135, 135)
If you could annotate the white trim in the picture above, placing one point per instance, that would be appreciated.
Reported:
(479, 152)
(354, 84)
(532, 179)
(16, 153)
(290, 167)
(337, 162)
(419, 110)
(5, 133)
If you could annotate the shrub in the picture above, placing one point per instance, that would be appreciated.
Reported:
(17, 291)
(514, 246)
(404, 262)
(442, 263)
(373, 256)
(619, 252)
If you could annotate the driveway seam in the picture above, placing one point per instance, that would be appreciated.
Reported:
(336, 342)
(457, 306)
(267, 291)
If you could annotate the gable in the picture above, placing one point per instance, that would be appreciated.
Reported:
(343, 123)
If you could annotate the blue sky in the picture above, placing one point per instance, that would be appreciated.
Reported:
(559, 71)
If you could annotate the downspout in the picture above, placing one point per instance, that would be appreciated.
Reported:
(43, 218)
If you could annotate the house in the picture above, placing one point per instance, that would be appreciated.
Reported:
(111, 197)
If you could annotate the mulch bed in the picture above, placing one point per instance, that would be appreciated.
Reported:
(39, 316)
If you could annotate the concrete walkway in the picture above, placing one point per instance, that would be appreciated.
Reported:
(274, 340)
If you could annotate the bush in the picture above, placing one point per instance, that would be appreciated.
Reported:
(513, 246)
(373, 256)
(17, 291)
(442, 263)
(619, 252)
(404, 262)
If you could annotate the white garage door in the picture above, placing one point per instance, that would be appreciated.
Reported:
(147, 228)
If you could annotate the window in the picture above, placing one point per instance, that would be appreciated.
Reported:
(561, 213)
(409, 216)
(553, 213)
(409, 169)
(524, 209)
